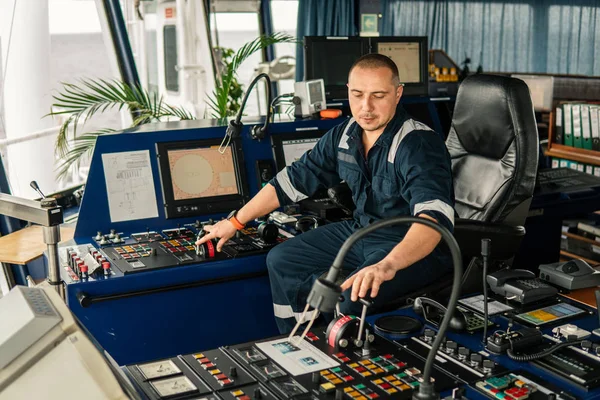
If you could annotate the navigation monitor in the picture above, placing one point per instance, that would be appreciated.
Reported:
(410, 55)
(197, 179)
(330, 59)
(288, 148)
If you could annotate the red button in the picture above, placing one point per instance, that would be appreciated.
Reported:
(226, 382)
(220, 377)
(244, 397)
(204, 360)
(344, 359)
(385, 386)
(373, 395)
(387, 356)
(340, 355)
(348, 378)
(360, 369)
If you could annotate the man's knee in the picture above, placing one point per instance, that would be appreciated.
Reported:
(276, 256)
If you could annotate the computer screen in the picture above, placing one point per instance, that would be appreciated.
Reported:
(330, 59)
(197, 179)
(541, 88)
(410, 54)
(406, 57)
(288, 148)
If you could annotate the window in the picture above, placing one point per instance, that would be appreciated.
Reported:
(171, 72)
(233, 30)
(285, 18)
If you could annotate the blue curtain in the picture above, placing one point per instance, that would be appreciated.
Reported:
(323, 18)
(556, 37)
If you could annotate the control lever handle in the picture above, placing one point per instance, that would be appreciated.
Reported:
(35, 187)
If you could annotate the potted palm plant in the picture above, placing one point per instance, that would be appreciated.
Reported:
(80, 102)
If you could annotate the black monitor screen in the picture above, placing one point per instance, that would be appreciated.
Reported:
(330, 59)
(197, 179)
(406, 55)
(288, 148)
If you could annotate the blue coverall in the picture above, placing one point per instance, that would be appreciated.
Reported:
(407, 172)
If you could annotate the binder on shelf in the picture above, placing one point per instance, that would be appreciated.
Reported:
(586, 136)
(564, 163)
(558, 123)
(595, 126)
(589, 169)
(567, 126)
(576, 121)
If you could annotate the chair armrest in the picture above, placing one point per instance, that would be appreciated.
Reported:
(505, 239)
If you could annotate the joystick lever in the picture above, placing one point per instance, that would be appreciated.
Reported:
(366, 304)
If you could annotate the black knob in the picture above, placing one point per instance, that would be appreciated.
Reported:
(257, 393)
(154, 252)
(476, 359)
(488, 365)
(233, 372)
(451, 346)
(586, 345)
(463, 352)
(316, 377)
(268, 232)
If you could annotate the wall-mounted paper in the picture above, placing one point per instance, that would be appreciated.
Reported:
(129, 185)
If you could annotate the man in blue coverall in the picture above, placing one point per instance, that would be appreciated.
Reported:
(394, 166)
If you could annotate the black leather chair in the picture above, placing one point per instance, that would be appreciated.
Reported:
(493, 143)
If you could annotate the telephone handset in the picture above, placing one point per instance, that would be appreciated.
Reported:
(520, 285)
(434, 312)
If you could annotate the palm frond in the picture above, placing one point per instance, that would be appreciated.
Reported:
(89, 97)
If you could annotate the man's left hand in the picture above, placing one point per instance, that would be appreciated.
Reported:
(370, 277)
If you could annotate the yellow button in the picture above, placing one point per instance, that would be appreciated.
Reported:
(325, 372)
(371, 366)
(365, 362)
(404, 387)
(336, 381)
(391, 391)
(366, 373)
(238, 393)
(348, 389)
(353, 365)
(214, 371)
(354, 394)
(378, 371)
(395, 383)
(361, 398)
(329, 377)
(519, 383)
(198, 355)
(378, 381)
(327, 387)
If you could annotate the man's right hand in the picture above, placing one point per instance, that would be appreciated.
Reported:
(223, 230)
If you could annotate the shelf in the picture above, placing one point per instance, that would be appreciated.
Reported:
(571, 256)
(568, 152)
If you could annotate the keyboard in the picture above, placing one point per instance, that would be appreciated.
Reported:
(555, 180)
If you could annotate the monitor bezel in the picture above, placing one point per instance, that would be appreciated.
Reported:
(412, 88)
(277, 144)
(332, 92)
(203, 206)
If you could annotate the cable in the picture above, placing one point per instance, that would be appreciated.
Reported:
(485, 253)
(325, 293)
(541, 354)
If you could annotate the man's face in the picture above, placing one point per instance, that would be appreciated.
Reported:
(373, 97)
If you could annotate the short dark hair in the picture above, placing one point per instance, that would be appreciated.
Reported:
(375, 60)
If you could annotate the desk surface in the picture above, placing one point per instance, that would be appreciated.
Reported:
(27, 244)
(585, 296)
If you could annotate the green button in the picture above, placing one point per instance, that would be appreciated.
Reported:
(336, 369)
(376, 359)
(360, 386)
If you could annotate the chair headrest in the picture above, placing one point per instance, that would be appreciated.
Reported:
(489, 113)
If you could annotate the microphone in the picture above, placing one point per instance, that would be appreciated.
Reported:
(325, 293)
(234, 129)
(35, 187)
